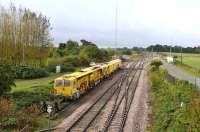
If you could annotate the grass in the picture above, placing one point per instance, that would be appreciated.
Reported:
(175, 107)
(191, 62)
(28, 92)
(29, 85)
(33, 91)
(179, 54)
(192, 71)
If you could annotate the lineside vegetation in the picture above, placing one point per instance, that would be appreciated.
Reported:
(26, 54)
(175, 107)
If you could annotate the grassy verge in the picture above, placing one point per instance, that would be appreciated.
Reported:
(191, 62)
(26, 94)
(193, 71)
(175, 107)
(33, 91)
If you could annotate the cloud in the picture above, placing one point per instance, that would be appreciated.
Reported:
(140, 22)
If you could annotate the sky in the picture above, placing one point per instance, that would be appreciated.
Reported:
(140, 22)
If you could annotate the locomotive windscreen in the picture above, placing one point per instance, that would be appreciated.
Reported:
(58, 83)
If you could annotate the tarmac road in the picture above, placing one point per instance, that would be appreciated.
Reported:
(181, 74)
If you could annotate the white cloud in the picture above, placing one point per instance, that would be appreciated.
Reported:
(140, 21)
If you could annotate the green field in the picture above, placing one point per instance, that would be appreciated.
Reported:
(29, 85)
(192, 60)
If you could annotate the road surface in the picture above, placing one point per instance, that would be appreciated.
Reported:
(181, 74)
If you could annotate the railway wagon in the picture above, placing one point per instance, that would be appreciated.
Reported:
(71, 86)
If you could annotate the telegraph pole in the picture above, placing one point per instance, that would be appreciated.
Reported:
(181, 55)
(170, 51)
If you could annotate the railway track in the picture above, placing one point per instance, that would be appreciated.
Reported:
(62, 107)
(99, 122)
(115, 122)
(116, 91)
(77, 103)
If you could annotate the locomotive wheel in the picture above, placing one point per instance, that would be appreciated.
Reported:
(76, 96)
(56, 107)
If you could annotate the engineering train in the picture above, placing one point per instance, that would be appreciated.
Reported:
(72, 86)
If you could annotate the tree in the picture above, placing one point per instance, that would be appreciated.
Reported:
(87, 43)
(72, 47)
(7, 77)
(177, 49)
(69, 48)
(90, 52)
(111, 52)
(24, 36)
(126, 51)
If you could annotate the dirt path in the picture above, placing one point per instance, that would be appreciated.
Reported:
(137, 117)
(181, 74)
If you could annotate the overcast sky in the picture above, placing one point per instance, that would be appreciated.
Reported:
(140, 22)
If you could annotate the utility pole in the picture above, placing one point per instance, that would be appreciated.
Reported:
(181, 55)
(170, 51)
(152, 52)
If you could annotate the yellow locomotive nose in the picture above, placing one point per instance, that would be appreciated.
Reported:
(63, 87)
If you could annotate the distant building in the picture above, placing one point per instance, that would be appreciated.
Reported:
(125, 57)
(170, 59)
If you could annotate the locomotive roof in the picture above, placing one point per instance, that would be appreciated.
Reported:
(80, 73)
(85, 71)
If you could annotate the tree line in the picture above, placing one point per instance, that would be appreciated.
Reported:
(177, 49)
(24, 36)
(84, 53)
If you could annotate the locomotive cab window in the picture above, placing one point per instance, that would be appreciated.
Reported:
(58, 83)
(66, 83)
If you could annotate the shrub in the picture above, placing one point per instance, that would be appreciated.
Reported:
(7, 77)
(72, 60)
(28, 116)
(25, 72)
(64, 68)
(26, 98)
(7, 108)
(175, 107)
(67, 68)
(156, 64)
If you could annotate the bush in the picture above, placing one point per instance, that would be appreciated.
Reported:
(26, 98)
(67, 68)
(64, 68)
(175, 107)
(28, 116)
(156, 64)
(25, 72)
(67, 63)
(7, 77)
(72, 60)
(10, 118)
